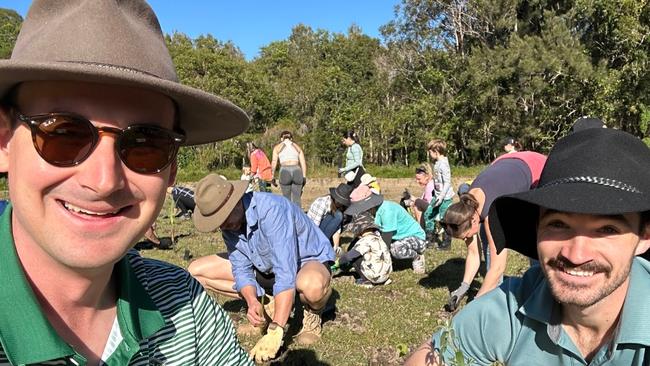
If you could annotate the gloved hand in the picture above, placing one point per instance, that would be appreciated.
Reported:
(457, 295)
(335, 267)
(268, 346)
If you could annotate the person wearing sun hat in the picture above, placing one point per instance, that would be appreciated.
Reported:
(399, 230)
(91, 119)
(273, 249)
(327, 212)
(584, 304)
(371, 182)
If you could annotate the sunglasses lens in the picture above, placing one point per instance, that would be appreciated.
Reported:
(146, 149)
(63, 140)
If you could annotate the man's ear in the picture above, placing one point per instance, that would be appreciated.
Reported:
(6, 132)
(644, 242)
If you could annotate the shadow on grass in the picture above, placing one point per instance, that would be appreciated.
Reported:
(448, 274)
(299, 357)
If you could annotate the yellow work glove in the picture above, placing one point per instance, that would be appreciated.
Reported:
(268, 346)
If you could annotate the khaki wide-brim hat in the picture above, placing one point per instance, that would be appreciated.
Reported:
(119, 43)
(215, 198)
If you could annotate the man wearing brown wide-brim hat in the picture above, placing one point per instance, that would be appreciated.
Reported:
(91, 118)
(273, 248)
(586, 303)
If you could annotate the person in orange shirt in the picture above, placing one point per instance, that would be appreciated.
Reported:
(260, 166)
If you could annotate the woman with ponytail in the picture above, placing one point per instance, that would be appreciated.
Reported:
(353, 169)
(467, 219)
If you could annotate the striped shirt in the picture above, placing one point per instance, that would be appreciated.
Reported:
(164, 317)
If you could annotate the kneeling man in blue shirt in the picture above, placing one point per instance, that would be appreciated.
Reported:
(586, 302)
(273, 247)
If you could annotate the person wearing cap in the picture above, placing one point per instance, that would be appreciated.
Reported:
(399, 230)
(273, 248)
(586, 302)
(468, 218)
(369, 256)
(371, 182)
(510, 145)
(91, 118)
(585, 122)
(327, 212)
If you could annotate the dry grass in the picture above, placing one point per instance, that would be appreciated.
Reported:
(375, 326)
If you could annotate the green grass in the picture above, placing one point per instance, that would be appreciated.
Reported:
(376, 326)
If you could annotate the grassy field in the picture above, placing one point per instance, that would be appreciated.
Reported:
(377, 326)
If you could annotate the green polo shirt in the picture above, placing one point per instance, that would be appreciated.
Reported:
(164, 317)
(519, 324)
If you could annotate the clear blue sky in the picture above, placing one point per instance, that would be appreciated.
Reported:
(251, 24)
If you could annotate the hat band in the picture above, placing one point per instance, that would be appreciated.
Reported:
(595, 180)
(223, 203)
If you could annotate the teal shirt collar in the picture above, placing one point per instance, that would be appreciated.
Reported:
(542, 307)
(25, 333)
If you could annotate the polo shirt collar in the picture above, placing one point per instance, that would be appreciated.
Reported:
(25, 332)
(542, 307)
(636, 311)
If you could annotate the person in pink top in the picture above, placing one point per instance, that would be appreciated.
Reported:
(260, 166)
(468, 219)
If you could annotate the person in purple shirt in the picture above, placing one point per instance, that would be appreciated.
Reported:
(273, 248)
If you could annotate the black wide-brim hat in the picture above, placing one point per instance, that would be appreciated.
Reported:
(341, 194)
(597, 171)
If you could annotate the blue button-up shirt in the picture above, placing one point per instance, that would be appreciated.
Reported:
(519, 324)
(279, 238)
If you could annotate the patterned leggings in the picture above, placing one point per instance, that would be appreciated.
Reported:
(407, 248)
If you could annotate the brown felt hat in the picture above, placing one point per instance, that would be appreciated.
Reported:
(215, 199)
(113, 42)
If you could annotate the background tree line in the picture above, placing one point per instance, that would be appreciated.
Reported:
(469, 72)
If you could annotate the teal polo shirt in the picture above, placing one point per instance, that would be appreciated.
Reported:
(393, 217)
(27, 336)
(519, 324)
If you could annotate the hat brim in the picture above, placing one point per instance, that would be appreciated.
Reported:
(338, 198)
(513, 218)
(209, 223)
(364, 205)
(203, 116)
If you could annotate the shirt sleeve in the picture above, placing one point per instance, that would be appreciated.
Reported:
(318, 210)
(445, 171)
(355, 159)
(279, 229)
(242, 267)
(254, 164)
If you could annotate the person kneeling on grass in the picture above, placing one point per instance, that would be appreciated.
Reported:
(370, 255)
(273, 247)
(586, 301)
(327, 213)
(399, 229)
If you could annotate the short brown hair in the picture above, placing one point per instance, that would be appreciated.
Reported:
(437, 145)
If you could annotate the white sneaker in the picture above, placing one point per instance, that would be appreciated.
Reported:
(419, 264)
